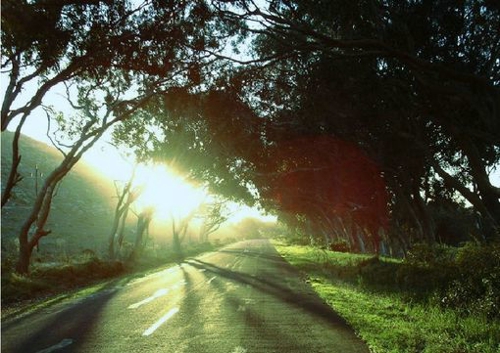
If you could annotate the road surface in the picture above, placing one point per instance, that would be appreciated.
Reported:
(244, 298)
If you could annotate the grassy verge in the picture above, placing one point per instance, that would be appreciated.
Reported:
(50, 284)
(388, 318)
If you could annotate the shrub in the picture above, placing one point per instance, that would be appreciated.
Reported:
(466, 279)
(476, 288)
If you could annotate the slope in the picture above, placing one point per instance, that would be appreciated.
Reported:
(82, 209)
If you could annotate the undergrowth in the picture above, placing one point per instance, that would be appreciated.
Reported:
(435, 301)
(49, 279)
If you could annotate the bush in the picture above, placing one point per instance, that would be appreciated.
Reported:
(466, 279)
(476, 288)
(44, 281)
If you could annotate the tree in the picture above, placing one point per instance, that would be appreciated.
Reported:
(94, 126)
(179, 231)
(366, 73)
(143, 220)
(126, 196)
(48, 43)
(415, 97)
(114, 47)
(213, 215)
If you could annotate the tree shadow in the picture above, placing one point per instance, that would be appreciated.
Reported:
(274, 286)
(73, 323)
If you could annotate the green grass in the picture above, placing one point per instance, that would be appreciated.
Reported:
(386, 318)
(50, 284)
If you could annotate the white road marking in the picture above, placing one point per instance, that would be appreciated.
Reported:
(64, 343)
(157, 294)
(154, 275)
(160, 322)
(180, 284)
(211, 279)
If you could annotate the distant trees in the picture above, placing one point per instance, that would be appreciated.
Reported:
(213, 215)
(126, 196)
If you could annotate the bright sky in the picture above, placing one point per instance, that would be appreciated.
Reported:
(165, 191)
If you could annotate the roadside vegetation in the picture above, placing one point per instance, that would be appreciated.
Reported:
(81, 273)
(436, 300)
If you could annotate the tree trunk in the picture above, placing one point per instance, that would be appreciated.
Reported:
(470, 196)
(41, 208)
(37, 220)
(23, 261)
(176, 242)
(425, 220)
(490, 195)
(121, 229)
(142, 226)
(14, 177)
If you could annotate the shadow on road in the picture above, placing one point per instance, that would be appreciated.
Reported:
(71, 323)
(274, 285)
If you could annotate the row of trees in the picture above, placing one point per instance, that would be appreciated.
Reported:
(354, 120)
(211, 214)
(111, 57)
(350, 120)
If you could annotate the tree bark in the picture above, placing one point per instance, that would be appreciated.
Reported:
(14, 176)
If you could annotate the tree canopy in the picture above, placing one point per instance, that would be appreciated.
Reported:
(354, 112)
(354, 120)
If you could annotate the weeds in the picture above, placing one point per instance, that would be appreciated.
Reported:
(46, 281)
(50, 279)
(397, 306)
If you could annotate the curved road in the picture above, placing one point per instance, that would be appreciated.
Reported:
(244, 298)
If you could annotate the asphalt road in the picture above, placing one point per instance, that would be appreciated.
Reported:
(242, 299)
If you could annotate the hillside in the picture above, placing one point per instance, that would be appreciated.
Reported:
(82, 209)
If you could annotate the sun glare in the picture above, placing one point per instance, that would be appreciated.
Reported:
(164, 191)
(168, 194)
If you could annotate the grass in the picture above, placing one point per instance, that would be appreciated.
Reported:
(82, 277)
(48, 282)
(387, 318)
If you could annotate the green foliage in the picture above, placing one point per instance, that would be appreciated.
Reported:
(425, 270)
(366, 291)
(465, 279)
(476, 288)
(46, 281)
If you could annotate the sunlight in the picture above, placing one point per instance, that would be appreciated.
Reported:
(168, 194)
(238, 212)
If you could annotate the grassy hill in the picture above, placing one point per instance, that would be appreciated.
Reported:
(82, 209)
